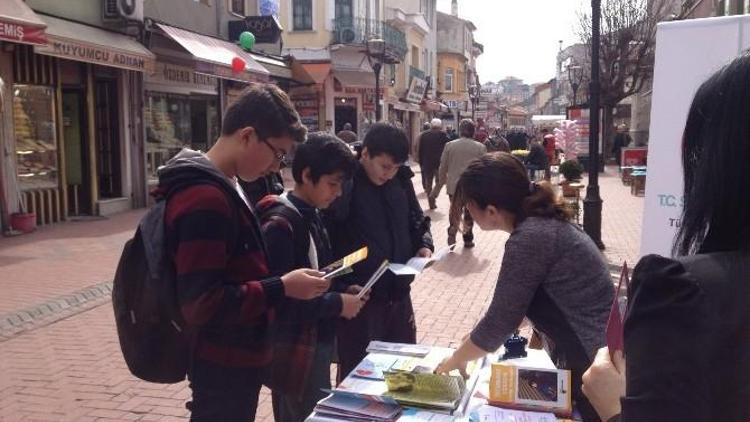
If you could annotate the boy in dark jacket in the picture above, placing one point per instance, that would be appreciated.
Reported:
(379, 210)
(224, 288)
(304, 331)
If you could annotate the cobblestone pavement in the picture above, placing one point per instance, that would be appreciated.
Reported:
(64, 363)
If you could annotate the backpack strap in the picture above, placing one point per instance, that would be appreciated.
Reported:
(283, 208)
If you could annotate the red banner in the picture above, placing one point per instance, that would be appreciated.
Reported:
(22, 33)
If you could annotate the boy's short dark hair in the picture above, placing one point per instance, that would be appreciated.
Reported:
(466, 128)
(383, 138)
(323, 153)
(268, 110)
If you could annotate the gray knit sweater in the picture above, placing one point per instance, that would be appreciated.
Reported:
(553, 274)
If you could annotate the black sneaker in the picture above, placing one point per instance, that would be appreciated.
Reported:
(468, 242)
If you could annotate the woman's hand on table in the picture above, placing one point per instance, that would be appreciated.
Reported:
(604, 383)
(450, 364)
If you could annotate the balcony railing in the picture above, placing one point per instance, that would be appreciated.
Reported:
(359, 30)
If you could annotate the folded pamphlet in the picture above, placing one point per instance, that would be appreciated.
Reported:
(535, 389)
(344, 265)
(417, 264)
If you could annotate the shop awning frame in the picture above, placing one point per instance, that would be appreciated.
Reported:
(215, 51)
(19, 24)
(76, 41)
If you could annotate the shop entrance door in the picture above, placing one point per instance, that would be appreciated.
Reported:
(345, 111)
(76, 153)
(107, 139)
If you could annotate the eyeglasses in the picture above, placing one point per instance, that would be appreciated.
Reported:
(277, 153)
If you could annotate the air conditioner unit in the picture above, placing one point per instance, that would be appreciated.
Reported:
(130, 9)
(347, 35)
(109, 10)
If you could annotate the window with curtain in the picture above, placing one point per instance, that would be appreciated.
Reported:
(302, 15)
(448, 81)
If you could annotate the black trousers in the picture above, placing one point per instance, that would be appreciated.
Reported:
(379, 320)
(223, 394)
(429, 178)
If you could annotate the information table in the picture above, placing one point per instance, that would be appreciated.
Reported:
(477, 386)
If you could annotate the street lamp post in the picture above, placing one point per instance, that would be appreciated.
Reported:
(473, 97)
(592, 204)
(376, 56)
(575, 74)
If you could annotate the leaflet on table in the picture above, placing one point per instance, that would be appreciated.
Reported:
(344, 265)
(398, 348)
(432, 391)
(417, 264)
(411, 414)
(526, 388)
(374, 364)
(352, 407)
(496, 414)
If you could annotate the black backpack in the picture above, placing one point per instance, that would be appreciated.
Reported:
(153, 335)
(144, 298)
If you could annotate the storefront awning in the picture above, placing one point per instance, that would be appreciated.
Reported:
(18, 23)
(75, 41)
(215, 51)
(355, 78)
(276, 68)
(316, 72)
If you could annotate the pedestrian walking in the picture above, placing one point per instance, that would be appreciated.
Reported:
(347, 134)
(552, 273)
(456, 157)
(430, 149)
(622, 140)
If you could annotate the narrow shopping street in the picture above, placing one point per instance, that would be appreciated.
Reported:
(65, 364)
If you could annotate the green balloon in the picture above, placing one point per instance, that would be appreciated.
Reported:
(247, 40)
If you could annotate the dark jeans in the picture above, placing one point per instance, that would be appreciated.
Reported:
(429, 176)
(468, 223)
(288, 408)
(223, 394)
(379, 320)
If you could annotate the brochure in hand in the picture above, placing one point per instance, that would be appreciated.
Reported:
(615, 324)
(373, 279)
(417, 264)
(344, 265)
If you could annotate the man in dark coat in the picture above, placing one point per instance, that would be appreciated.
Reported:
(429, 150)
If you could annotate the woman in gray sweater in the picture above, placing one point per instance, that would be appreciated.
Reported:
(552, 272)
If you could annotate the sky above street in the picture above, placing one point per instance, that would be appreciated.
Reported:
(520, 37)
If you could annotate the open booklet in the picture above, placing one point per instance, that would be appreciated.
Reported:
(344, 265)
(417, 264)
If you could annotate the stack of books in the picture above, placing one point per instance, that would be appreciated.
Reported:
(341, 406)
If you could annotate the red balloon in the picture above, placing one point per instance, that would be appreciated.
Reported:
(238, 65)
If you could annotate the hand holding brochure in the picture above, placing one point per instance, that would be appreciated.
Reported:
(344, 265)
(615, 324)
(417, 264)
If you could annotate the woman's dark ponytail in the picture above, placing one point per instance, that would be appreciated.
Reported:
(542, 202)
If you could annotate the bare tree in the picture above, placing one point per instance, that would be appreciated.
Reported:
(626, 52)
